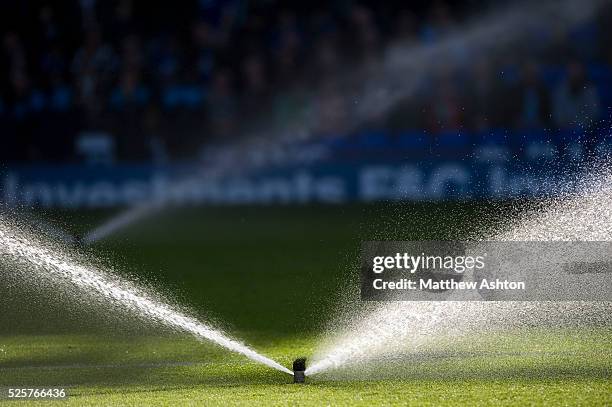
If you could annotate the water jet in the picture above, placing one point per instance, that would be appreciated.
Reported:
(42, 262)
(378, 333)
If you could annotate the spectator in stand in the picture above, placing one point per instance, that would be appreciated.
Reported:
(123, 23)
(287, 52)
(131, 94)
(530, 99)
(95, 55)
(132, 57)
(331, 110)
(49, 27)
(20, 101)
(406, 26)
(93, 66)
(290, 62)
(482, 112)
(326, 61)
(52, 63)
(364, 32)
(165, 58)
(14, 54)
(205, 43)
(439, 24)
(255, 86)
(222, 106)
(445, 107)
(153, 130)
(60, 93)
(19, 105)
(575, 101)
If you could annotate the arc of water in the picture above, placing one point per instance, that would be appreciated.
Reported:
(51, 264)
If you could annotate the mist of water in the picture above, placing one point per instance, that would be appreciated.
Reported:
(366, 92)
(42, 264)
(370, 333)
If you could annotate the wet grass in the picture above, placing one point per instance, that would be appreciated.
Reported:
(275, 277)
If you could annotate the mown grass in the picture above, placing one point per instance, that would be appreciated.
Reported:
(274, 277)
(530, 368)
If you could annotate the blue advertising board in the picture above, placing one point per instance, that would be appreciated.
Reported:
(74, 186)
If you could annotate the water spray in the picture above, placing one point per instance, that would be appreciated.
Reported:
(376, 334)
(45, 263)
(401, 73)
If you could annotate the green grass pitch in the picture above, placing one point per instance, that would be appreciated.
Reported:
(272, 277)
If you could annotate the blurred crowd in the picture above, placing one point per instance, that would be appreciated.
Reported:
(157, 80)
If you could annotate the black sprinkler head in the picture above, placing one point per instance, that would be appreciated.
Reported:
(299, 366)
